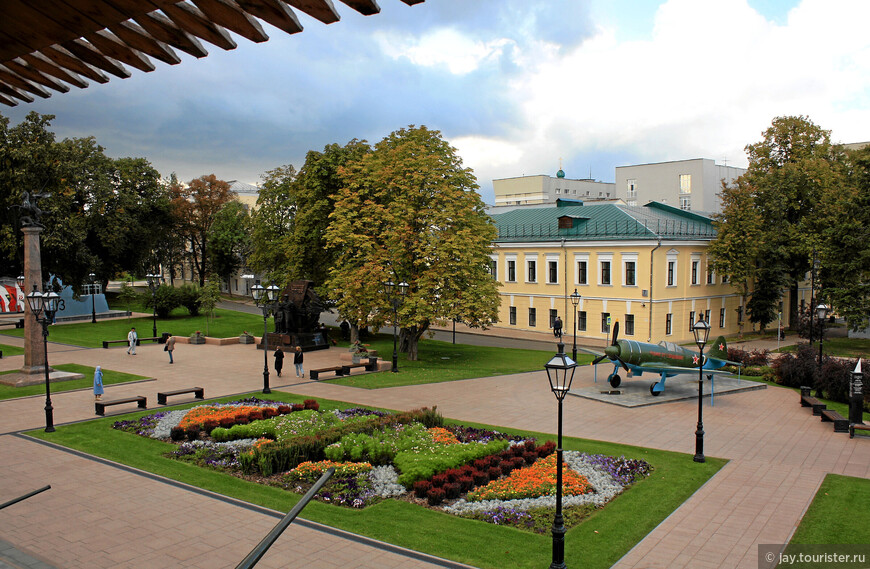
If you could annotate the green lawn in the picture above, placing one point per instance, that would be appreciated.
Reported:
(596, 543)
(226, 324)
(442, 361)
(841, 347)
(840, 513)
(110, 377)
(10, 350)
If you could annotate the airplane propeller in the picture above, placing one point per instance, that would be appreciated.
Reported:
(612, 351)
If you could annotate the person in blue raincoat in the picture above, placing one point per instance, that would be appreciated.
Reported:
(98, 383)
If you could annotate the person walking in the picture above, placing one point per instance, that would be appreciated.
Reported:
(279, 360)
(98, 383)
(170, 345)
(132, 338)
(557, 327)
(297, 361)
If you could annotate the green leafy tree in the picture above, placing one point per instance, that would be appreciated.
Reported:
(196, 208)
(408, 211)
(272, 223)
(208, 299)
(229, 241)
(127, 296)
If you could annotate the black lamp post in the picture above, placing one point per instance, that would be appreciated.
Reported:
(20, 281)
(560, 372)
(265, 299)
(575, 300)
(44, 307)
(154, 282)
(822, 313)
(93, 279)
(701, 330)
(395, 292)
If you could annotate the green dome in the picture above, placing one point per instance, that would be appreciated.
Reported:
(560, 173)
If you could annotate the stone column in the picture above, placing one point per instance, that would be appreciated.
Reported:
(34, 353)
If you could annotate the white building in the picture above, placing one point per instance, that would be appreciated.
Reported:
(690, 185)
(543, 189)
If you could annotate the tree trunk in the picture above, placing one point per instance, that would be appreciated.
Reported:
(793, 306)
(354, 332)
(409, 339)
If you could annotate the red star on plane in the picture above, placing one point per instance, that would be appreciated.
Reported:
(721, 346)
(695, 359)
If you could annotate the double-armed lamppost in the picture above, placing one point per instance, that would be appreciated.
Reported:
(396, 293)
(44, 307)
(92, 278)
(575, 300)
(560, 372)
(822, 311)
(701, 330)
(265, 299)
(154, 282)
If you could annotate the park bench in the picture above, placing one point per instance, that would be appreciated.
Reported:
(100, 406)
(859, 426)
(198, 393)
(315, 373)
(125, 342)
(808, 401)
(345, 369)
(841, 424)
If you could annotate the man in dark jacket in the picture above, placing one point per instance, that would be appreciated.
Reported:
(279, 360)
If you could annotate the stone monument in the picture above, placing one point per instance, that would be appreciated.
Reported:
(296, 315)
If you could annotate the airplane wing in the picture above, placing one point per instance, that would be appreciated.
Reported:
(676, 369)
(726, 362)
(590, 351)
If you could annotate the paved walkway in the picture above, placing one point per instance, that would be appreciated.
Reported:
(100, 515)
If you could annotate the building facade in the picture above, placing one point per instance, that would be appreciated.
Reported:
(644, 266)
(690, 185)
(543, 189)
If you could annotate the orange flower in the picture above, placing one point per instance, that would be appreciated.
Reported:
(539, 479)
(204, 412)
(443, 436)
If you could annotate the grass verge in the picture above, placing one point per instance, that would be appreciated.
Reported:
(10, 350)
(598, 542)
(839, 347)
(110, 377)
(838, 513)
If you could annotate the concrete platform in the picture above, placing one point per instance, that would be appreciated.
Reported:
(22, 379)
(634, 392)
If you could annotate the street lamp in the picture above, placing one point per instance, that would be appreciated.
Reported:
(560, 372)
(395, 292)
(575, 300)
(154, 282)
(44, 307)
(93, 278)
(701, 330)
(822, 311)
(265, 299)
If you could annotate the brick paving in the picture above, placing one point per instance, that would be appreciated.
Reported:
(99, 515)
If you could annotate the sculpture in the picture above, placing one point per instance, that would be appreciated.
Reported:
(30, 212)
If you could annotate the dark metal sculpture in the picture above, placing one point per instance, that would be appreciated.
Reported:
(31, 214)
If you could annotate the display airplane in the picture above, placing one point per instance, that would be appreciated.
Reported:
(665, 359)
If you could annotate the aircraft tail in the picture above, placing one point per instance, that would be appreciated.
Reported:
(718, 349)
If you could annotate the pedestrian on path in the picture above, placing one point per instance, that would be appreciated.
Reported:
(557, 327)
(297, 361)
(279, 360)
(170, 345)
(98, 383)
(132, 338)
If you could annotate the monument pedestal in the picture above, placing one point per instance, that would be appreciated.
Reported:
(308, 341)
(36, 376)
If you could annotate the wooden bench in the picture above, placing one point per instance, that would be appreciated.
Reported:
(858, 426)
(126, 343)
(345, 369)
(198, 393)
(841, 424)
(818, 406)
(100, 406)
(315, 373)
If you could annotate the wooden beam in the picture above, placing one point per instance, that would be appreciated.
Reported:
(274, 12)
(26, 71)
(133, 35)
(66, 60)
(48, 67)
(228, 14)
(191, 20)
(413, 2)
(90, 55)
(17, 82)
(8, 101)
(322, 10)
(112, 47)
(364, 7)
(163, 29)
(7, 90)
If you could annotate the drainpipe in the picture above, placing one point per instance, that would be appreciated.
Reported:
(649, 338)
(565, 251)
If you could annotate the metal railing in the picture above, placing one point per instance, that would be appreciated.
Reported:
(254, 556)
(598, 229)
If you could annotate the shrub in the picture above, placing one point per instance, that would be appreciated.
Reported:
(452, 490)
(422, 488)
(188, 296)
(176, 434)
(269, 412)
(480, 477)
(192, 432)
(506, 467)
(311, 404)
(435, 496)
(530, 457)
(227, 422)
(466, 483)
(452, 474)
(481, 464)
(209, 425)
(494, 472)
(298, 407)
(800, 368)
(752, 358)
(419, 466)
(256, 415)
(440, 480)
(242, 418)
(285, 409)
(546, 449)
(164, 300)
(518, 462)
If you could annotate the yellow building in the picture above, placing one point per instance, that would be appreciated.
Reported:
(644, 266)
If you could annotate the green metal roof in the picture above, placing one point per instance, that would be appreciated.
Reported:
(602, 222)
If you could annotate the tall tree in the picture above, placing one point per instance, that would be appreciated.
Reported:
(789, 172)
(229, 240)
(272, 223)
(408, 211)
(197, 206)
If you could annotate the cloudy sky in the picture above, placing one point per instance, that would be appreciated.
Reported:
(514, 85)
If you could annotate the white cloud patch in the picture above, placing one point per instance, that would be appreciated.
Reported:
(443, 47)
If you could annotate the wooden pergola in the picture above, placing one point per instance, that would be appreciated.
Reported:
(51, 44)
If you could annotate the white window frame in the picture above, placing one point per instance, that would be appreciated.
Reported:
(508, 259)
(581, 258)
(672, 258)
(695, 264)
(530, 262)
(685, 183)
(605, 258)
(629, 258)
(553, 259)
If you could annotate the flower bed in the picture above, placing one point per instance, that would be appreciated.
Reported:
(468, 472)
